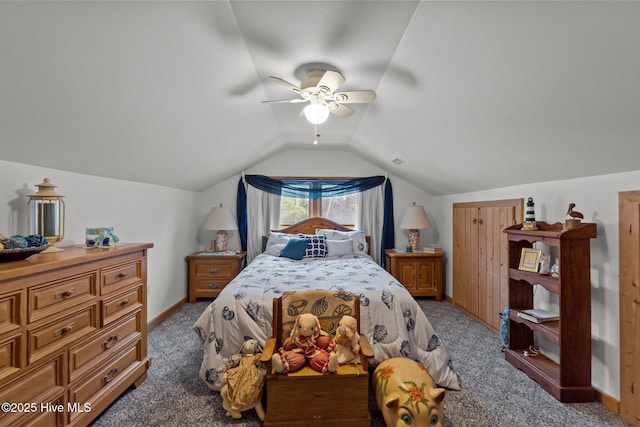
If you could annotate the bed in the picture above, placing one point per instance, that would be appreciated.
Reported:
(392, 320)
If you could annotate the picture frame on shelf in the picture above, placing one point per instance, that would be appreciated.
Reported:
(529, 260)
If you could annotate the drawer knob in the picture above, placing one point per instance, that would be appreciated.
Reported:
(213, 285)
(214, 270)
(110, 342)
(65, 294)
(122, 275)
(110, 375)
(65, 330)
(123, 303)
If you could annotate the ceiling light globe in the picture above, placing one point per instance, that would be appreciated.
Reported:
(316, 113)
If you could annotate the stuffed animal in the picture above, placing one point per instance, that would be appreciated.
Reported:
(347, 340)
(307, 342)
(242, 389)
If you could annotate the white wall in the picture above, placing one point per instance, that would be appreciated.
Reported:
(316, 163)
(597, 199)
(139, 213)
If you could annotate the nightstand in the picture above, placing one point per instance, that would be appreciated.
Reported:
(209, 274)
(419, 272)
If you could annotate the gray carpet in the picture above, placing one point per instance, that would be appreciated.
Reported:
(493, 393)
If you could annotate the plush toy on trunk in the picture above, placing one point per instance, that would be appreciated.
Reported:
(307, 343)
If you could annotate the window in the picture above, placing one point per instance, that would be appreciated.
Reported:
(341, 209)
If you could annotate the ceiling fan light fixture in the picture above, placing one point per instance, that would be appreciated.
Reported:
(316, 113)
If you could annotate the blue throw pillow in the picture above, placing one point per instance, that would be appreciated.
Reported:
(295, 248)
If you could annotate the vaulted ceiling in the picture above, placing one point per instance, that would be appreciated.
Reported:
(471, 95)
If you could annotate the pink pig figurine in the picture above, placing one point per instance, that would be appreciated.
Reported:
(406, 394)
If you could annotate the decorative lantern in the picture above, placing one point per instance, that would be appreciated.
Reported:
(46, 214)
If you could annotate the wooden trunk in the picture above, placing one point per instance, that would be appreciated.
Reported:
(331, 400)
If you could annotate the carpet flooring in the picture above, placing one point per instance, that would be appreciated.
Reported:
(494, 393)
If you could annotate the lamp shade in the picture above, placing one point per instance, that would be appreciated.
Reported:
(221, 218)
(414, 218)
(316, 113)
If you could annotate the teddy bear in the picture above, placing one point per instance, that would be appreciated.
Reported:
(306, 342)
(242, 389)
(347, 340)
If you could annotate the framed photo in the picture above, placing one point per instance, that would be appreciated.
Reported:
(529, 260)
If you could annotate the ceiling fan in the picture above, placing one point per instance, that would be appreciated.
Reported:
(319, 90)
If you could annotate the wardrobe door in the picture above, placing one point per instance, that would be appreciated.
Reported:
(629, 241)
(465, 258)
(493, 262)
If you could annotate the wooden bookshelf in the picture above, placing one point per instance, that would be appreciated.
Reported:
(569, 378)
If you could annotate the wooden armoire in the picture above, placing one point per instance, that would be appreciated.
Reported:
(481, 256)
(629, 241)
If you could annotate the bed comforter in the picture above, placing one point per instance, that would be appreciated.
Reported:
(390, 317)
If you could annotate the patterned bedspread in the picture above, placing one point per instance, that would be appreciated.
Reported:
(390, 318)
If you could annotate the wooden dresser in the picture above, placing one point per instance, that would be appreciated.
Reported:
(73, 333)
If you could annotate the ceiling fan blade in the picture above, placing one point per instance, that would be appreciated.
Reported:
(280, 101)
(331, 80)
(286, 84)
(355, 97)
(340, 110)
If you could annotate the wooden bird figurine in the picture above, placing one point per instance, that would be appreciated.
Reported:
(572, 213)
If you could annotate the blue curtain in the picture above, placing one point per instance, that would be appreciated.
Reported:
(388, 232)
(241, 214)
(313, 188)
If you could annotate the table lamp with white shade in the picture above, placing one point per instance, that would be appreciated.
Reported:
(221, 219)
(413, 219)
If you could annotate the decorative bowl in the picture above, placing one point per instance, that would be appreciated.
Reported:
(20, 253)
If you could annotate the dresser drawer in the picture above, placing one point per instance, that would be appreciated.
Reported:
(10, 313)
(33, 387)
(51, 417)
(116, 307)
(61, 332)
(55, 297)
(91, 389)
(216, 269)
(10, 356)
(121, 276)
(87, 355)
(210, 284)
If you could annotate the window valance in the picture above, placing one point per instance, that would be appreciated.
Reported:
(312, 188)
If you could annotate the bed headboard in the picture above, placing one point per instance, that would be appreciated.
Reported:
(309, 226)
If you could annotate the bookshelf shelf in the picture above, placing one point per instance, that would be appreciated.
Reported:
(569, 378)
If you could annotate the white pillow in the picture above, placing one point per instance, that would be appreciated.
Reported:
(339, 247)
(359, 240)
(276, 243)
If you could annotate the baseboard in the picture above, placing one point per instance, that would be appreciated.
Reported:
(609, 402)
(168, 312)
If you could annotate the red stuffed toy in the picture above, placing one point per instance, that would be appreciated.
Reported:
(307, 342)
